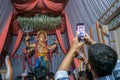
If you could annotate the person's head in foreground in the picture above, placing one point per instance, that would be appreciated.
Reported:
(102, 60)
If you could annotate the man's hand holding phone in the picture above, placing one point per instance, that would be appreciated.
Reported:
(88, 40)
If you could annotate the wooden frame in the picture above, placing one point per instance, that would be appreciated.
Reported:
(97, 29)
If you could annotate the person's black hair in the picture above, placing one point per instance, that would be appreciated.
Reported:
(69, 72)
(40, 72)
(82, 75)
(88, 73)
(30, 78)
(51, 75)
(102, 59)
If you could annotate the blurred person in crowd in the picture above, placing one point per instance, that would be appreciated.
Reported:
(70, 75)
(50, 76)
(82, 75)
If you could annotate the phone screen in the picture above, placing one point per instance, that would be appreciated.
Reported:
(80, 31)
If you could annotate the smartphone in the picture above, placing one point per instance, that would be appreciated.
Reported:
(81, 31)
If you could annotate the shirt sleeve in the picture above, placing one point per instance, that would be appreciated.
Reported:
(116, 71)
(61, 75)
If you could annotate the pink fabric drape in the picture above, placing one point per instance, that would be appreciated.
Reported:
(41, 5)
(76, 63)
(27, 6)
(15, 27)
(70, 37)
(69, 30)
(59, 36)
(54, 6)
(18, 41)
(3, 35)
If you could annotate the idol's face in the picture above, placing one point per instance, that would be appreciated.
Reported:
(41, 38)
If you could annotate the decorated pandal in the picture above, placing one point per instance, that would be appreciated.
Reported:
(31, 35)
(37, 18)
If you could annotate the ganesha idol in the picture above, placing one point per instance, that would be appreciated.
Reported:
(43, 52)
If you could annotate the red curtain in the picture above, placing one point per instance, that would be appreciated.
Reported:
(69, 30)
(27, 6)
(59, 36)
(18, 41)
(54, 6)
(3, 35)
(70, 37)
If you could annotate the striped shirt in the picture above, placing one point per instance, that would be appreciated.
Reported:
(115, 75)
(109, 77)
(116, 71)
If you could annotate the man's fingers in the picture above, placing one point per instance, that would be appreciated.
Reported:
(86, 33)
(76, 34)
(81, 43)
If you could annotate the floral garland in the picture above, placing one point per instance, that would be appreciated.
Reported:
(39, 22)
